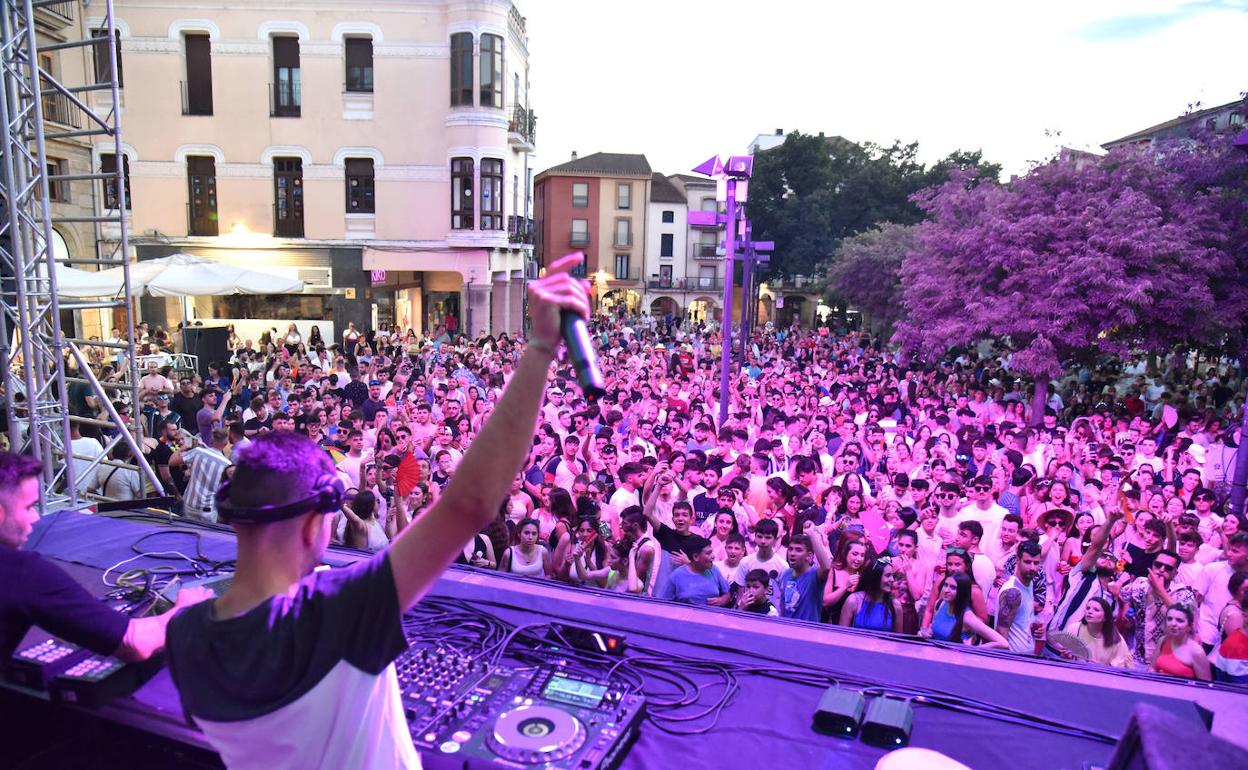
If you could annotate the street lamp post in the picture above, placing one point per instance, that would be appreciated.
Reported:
(736, 175)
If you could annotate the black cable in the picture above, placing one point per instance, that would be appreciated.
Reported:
(929, 696)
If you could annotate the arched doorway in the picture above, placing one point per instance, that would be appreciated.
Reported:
(619, 301)
(703, 309)
(665, 307)
(794, 310)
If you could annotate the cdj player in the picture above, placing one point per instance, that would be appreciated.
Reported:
(464, 714)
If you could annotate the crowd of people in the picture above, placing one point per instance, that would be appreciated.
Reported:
(845, 487)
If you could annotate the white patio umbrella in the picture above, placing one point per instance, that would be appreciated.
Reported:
(178, 275)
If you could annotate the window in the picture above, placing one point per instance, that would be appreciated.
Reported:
(580, 232)
(1236, 119)
(623, 196)
(108, 165)
(288, 197)
(286, 80)
(623, 232)
(201, 173)
(706, 277)
(360, 186)
(491, 194)
(360, 64)
(1212, 123)
(461, 69)
(667, 242)
(197, 90)
(621, 267)
(669, 217)
(491, 71)
(710, 204)
(461, 193)
(100, 51)
(580, 195)
(665, 276)
(57, 190)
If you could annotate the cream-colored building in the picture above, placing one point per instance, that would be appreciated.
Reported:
(377, 149)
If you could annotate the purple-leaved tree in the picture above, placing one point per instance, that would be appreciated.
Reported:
(1075, 259)
(866, 272)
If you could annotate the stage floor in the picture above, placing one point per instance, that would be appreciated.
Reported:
(769, 721)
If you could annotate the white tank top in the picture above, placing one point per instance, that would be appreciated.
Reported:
(533, 568)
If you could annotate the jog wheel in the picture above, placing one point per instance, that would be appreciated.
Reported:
(536, 734)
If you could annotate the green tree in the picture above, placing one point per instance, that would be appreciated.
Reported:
(812, 192)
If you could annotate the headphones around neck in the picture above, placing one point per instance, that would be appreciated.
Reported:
(327, 496)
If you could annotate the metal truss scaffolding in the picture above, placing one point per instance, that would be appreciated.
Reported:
(37, 353)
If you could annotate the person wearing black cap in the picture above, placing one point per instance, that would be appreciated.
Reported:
(293, 668)
(374, 403)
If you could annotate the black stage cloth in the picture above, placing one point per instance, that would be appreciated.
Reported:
(768, 724)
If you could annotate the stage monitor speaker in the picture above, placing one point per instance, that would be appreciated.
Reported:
(840, 712)
(1158, 740)
(209, 343)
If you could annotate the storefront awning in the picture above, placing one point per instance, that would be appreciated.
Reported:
(463, 261)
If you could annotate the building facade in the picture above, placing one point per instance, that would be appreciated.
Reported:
(702, 291)
(377, 150)
(665, 263)
(598, 204)
(1227, 118)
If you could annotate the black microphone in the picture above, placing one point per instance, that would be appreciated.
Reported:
(582, 354)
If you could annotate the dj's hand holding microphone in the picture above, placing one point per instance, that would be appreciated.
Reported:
(558, 287)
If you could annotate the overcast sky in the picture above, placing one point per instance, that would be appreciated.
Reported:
(680, 80)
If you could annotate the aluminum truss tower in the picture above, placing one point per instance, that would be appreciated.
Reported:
(36, 349)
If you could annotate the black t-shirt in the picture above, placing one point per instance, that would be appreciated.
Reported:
(160, 456)
(705, 505)
(256, 424)
(270, 658)
(1141, 560)
(36, 592)
(671, 540)
(187, 409)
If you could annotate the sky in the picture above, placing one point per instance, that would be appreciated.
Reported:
(682, 80)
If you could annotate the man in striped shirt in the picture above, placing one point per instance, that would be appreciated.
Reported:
(207, 464)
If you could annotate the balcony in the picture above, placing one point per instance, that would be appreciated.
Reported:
(522, 129)
(697, 225)
(520, 230)
(199, 103)
(808, 284)
(705, 251)
(56, 15)
(284, 100)
(579, 238)
(623, 240)
(57, 108)
(613, 278)
(695, 283)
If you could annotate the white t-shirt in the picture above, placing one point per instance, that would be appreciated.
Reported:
(301, 682)
(87, 447)
(622, 498)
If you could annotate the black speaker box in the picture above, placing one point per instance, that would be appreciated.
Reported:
(209, 343)
(1158, 740)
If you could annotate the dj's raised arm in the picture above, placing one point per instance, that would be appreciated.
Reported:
(422, 551)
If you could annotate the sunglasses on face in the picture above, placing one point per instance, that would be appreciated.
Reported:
(1165, 567)
(982, 489)
(947, 496)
